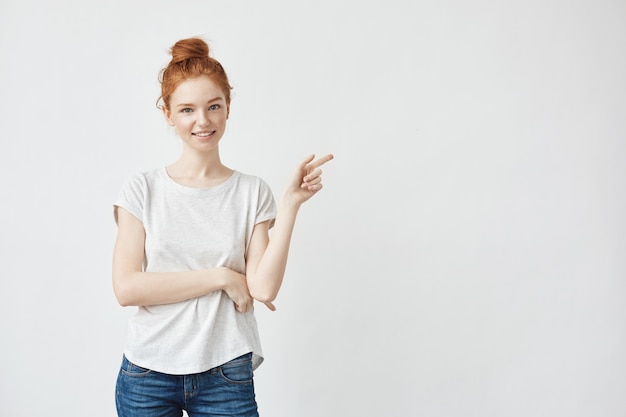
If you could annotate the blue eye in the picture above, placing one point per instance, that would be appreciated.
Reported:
(186, 110)
(215, 107)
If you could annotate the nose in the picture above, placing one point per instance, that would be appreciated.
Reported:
(203, 118)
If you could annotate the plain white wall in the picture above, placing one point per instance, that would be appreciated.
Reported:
(466, 257)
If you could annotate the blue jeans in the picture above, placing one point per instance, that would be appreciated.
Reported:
(224, 391)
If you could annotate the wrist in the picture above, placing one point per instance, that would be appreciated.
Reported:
(221, 278)
(289, 203)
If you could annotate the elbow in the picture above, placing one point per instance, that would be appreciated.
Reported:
(264, 286)
(264, 295)
(124, 303)
(123, 294)
(123, 298)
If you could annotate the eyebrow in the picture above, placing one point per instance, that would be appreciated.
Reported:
(208, 102)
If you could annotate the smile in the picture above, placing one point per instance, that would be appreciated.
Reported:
(203, 134)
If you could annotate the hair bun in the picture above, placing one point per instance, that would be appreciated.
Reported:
(191, 59)
(189, 48)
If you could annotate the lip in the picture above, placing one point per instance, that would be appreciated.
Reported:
(204, 135)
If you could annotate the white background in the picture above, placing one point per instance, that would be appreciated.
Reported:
(466, 257)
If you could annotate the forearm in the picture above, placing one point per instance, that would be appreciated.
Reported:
(265, 280)
(267, 260)
(153, 288)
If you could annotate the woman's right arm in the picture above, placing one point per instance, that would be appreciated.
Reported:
(133, 287)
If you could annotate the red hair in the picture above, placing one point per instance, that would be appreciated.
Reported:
(190, 59)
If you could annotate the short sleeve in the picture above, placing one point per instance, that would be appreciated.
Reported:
(266, 208)
(132, 196)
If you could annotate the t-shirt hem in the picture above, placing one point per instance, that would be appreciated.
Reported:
(257, 360)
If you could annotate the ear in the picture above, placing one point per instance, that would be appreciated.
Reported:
(168, 115)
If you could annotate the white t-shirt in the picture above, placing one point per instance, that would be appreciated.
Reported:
(194, 229)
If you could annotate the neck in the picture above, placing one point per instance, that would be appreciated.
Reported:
(193, 167)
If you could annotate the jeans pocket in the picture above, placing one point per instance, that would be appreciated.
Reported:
(238, 371)
(130, 369)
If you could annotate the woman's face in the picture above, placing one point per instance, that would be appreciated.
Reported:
(198, 110)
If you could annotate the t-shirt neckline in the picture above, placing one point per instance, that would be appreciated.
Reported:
(198, 190)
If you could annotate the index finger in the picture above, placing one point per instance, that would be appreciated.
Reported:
(320, 161)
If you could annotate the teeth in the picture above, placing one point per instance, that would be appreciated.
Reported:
(202, 134)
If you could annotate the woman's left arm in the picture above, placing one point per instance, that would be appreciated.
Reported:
(266, 260)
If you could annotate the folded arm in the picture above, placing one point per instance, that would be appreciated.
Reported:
(134, 287)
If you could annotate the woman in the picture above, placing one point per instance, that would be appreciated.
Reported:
(193, 251)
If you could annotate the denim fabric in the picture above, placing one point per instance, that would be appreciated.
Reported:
(224, 391)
